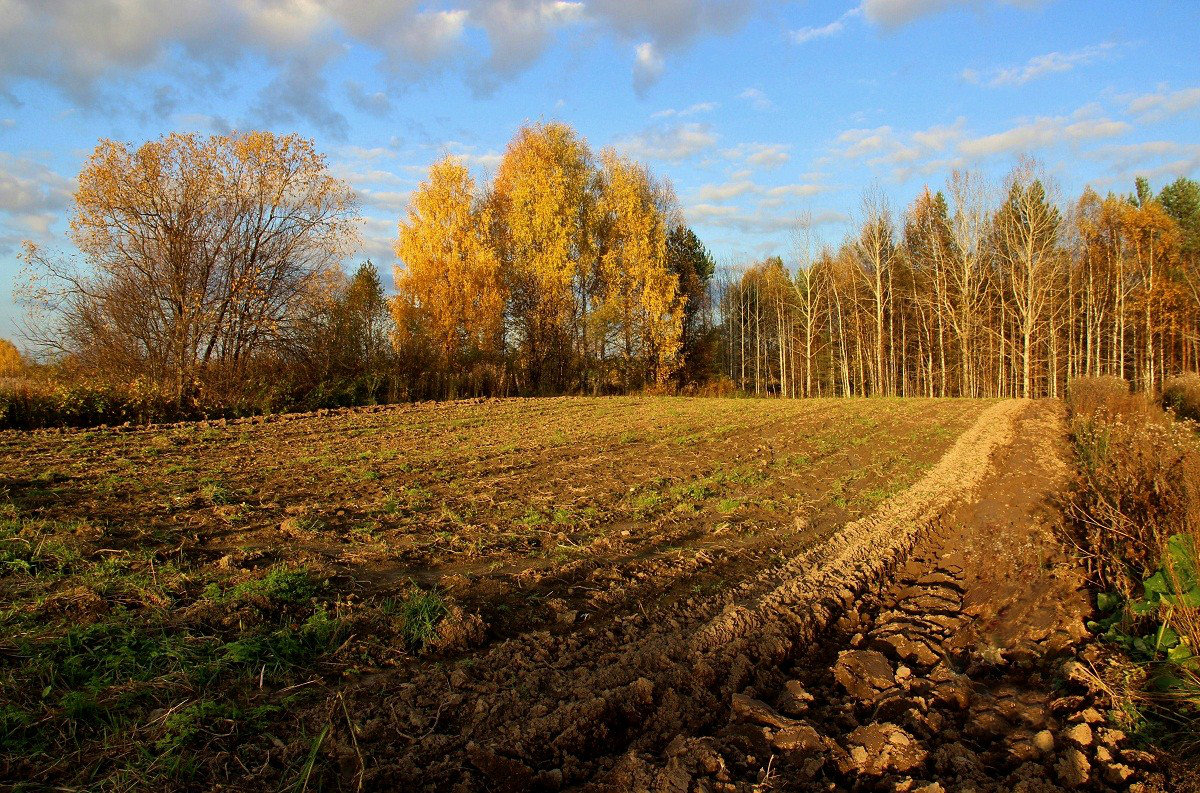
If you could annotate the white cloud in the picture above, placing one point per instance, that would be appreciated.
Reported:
(1039, 66)
(93, 52)
(895, 13)
(391, 201)
(795, 190)
(671, 24)
(768, 156)
(807, 34)
(430, 35)
(905, 153)
(671, 144)
(759, 221)
(467, 153)
(757, 99)
(369, 155)
(32, 198)
(860, 142)
(96, 52)
(1042, 132)
(726, 191)
(406, 36)
(299, 92)
(1152, 159)
(518, 31)
(487, 161)
(647, 67)
(367, 101)
(949, 146)
(740, 186)
(378, 243)
(1164, 103)
(692, 110)
(760, 155)
(29, 187)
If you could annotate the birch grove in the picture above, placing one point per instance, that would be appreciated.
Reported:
(980, 294)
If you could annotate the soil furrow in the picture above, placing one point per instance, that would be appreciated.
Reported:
(984, 691)
(547, 711)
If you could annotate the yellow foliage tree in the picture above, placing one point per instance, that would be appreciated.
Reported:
(1153, 239)
(199, 251)
(639, 294)
(543, 204)
(11, 363)
(562, 270)
(448, 284)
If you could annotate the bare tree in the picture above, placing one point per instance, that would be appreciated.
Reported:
(197, 250)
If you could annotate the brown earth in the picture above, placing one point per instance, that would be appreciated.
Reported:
(968, 670)
(656, 594)
(545, 525)
(953, 666)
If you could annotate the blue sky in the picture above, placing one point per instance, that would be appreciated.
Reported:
(758, 112)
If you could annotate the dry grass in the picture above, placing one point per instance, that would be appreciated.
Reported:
(1136, 506)
(1182, 395)
(1104, 398)
(1139, 481)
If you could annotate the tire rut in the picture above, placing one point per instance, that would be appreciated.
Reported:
(964, 672)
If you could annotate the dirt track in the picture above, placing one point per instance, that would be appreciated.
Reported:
(961, 648)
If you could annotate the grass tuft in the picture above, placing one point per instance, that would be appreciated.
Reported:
(421, 612)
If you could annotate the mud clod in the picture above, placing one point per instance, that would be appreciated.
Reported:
(880, 748)
(1073, 768)
(864, 674)
(795, 699)
(748, 709)
(1079, 734)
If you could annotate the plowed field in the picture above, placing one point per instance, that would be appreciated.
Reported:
(524, 594)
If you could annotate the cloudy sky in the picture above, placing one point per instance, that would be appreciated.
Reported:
(759, 112)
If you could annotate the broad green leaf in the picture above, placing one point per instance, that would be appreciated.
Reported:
(1156, 584)
(1141, 607)
(1166, 637)
(1179, 654)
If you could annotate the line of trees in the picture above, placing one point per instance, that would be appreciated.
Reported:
(961, 296)
(212, 273)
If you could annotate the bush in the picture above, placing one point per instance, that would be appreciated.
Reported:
(719, 386)
(1182, 395)
(64, 399)
(1139, 483)
(1136, 508)
(1103, 397)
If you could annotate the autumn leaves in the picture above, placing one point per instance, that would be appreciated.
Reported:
(215, 258)
(560, 268)
(201, 254)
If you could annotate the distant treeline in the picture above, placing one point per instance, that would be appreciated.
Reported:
(210, 283)
(963, 296)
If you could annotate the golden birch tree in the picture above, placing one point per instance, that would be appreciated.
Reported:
(639, 293)
(543, 207)
(448, 282)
